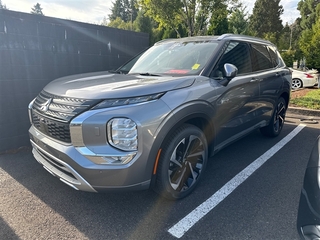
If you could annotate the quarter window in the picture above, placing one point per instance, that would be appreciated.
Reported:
(274, 56)
(262, 57)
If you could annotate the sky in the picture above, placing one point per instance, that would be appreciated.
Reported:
(93, 11)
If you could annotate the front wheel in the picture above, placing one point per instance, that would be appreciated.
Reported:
(277, 121)
(182, 162)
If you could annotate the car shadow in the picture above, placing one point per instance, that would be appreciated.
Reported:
(128, 215)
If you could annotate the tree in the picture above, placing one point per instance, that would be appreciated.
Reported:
(218, 23)
(308, 12)
(266, 20)
(37, 9)
(3, 6)
(143, 22)
(119, 23)
(239, 21)
(193, 15)
(288, 57)
(125, 10)
(309, 44)
(166, 12)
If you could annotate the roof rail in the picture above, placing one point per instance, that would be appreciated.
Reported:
(164, 40)
(224, 36)
(240, 36)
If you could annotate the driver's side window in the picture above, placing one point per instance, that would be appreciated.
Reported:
(236, 53)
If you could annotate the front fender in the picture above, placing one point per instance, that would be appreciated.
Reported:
(199, 113)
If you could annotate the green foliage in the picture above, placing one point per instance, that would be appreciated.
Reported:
(239, 22)
(196, 16)
(309, 45)
(288, 57)
(285, 38)
(166, 12)
(37, 9)
(219, 19)
(143, 23)
(311, 100)
(270, 36)
(126, 10)
(265, 18)
(120, 24)
(308, 11)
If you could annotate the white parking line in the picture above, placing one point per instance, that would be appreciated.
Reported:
(179, 229)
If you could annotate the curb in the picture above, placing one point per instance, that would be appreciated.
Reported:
(303, 111)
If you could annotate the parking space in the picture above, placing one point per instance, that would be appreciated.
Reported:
(251, 187)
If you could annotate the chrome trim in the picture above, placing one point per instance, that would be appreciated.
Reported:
(101, 158)
(29, 110)
(78, 182)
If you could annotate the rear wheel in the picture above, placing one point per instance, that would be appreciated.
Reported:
(182, 162)
(296, 83)
(277, 121)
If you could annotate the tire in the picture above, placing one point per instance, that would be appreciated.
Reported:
(296, 83)
(277, 121)
(182, 162)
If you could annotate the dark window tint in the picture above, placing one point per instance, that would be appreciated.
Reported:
(236, 53)
(262, 59)
(274, 57)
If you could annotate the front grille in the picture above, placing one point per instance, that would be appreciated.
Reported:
(52, 114)
(63, 108)
(53, 128)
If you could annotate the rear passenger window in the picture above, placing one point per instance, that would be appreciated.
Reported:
(262, 57)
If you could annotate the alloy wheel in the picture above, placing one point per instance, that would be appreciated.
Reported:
(279, 116)
(296, 83)
(186, 163)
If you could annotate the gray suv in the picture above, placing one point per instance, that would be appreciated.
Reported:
(156, 121)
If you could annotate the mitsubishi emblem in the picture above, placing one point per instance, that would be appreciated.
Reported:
(45, 106)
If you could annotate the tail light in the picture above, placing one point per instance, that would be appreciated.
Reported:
(308, 75)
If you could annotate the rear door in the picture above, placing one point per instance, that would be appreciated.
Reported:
(269, 74)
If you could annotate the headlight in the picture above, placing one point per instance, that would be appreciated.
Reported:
(123, 134)
(127, 101)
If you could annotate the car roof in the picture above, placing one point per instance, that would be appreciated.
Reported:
(223, 37)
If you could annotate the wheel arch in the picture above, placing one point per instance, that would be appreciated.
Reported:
(199, 114)
(286, 97)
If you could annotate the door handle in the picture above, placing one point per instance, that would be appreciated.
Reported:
(255, 80)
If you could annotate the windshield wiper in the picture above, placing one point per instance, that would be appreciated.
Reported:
(117, 71)
(149, 74)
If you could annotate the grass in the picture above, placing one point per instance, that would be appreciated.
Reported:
(311, 100)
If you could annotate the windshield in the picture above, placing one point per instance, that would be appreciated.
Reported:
(183, 58)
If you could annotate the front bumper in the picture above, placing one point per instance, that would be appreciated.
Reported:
(80, 163)
(60, 169)
(75, 170)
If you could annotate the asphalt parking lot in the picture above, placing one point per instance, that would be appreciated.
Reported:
(230, 203)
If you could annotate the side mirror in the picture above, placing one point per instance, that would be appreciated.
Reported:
(230, 70)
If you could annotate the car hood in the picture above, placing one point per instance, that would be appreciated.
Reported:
(109, 85)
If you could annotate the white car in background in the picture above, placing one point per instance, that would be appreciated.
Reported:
(303, 79)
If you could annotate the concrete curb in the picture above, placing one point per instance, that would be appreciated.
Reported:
(303, 111)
